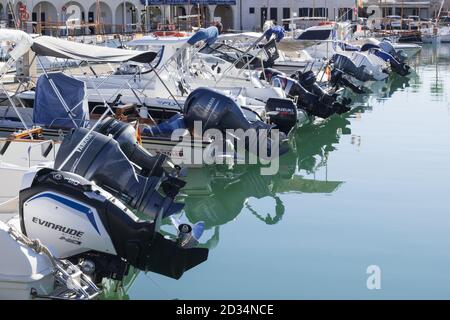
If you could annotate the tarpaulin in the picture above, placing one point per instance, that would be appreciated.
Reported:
(49, 111)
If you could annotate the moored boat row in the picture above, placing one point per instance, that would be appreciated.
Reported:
(96, 161)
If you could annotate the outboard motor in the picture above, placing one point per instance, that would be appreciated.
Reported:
(346, 65)
(99, 158)
(338, 79)
(125, 135)
(309, 81)
(307, 100)
(87, 225)
(312, 98)
(217, 111)
(283, 113)
(401, 68)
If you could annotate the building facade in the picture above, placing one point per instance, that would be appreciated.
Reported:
(134, 15)
(117, 15)
(426, 9)
(253, 13)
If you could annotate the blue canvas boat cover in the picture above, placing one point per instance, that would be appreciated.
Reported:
(278, 31)
(209, 35)
(49, 111)
(166, 128)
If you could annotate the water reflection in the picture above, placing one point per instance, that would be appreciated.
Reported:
(217, 195)
(432, 55)
(434, 58)
(119, 290)
(379, 91)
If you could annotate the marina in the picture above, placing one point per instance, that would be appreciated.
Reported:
(299, 160)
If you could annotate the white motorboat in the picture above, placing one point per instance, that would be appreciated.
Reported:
(444, 34)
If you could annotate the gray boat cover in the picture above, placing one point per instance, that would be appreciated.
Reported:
(49, 111)
(59, 48)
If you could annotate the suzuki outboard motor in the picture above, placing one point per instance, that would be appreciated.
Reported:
(217, 111)
(99, 158)
(84, 223)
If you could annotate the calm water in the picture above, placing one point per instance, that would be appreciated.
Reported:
(371, 188)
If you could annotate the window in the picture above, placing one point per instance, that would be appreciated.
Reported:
(346, 13)
(286, 15)
(263, 16)
(315, 35)
(303, 12)
(321, 12)
(251, 10)
(274, 14)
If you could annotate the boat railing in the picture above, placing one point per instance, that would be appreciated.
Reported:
(46, 147)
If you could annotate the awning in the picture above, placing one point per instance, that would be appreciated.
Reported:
(59, 48)
(244, 35)
(22, 40)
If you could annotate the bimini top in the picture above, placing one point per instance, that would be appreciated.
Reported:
(59, 48)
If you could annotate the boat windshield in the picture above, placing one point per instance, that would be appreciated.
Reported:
(318, 34)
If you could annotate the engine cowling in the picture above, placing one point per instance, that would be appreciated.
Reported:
(78, 220)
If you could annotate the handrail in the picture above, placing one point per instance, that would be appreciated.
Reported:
(52, 143)
(26, 132)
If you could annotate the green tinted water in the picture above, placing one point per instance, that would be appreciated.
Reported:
(370, 188)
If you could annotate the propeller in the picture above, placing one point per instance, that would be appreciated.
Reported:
(188, 235)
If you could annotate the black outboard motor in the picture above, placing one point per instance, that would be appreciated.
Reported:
(282, 113)
(338, 79)
(313, 98)
(217, 111)
(125, 135)
(99, 158)
(308, 101)
(346, 65)
(309, 81)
